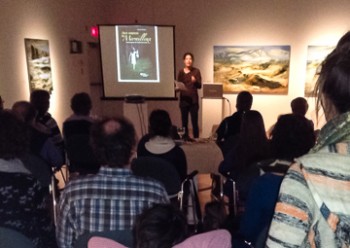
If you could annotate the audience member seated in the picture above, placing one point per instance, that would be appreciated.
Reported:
(161, 145)
(218, 238)
(299, 106)
(215, 216)
(162, 225)
(111, 199)
(76, 133)
(23, 199)
(40, 143)
(41, 102)
(240, 163)
(160, 170)
(230, 127)
(313, 207)
(292, 137)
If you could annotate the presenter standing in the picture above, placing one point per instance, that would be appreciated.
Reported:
(192, 80)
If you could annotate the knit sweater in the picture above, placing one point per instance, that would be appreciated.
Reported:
(313, 209)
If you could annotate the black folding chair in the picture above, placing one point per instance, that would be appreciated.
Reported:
(189, 201)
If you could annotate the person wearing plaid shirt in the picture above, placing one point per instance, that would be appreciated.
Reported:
(111, 199)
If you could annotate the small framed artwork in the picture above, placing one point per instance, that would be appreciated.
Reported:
(315, 57)
(257, 69)
(76, 46)
(38, 64)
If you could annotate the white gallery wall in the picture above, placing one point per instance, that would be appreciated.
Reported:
(199, 25)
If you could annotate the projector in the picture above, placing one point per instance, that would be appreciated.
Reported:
(134, 99)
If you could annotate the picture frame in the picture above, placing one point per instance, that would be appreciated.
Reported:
(257, 69)
(38, 64)
(76, 46)
(315, 57)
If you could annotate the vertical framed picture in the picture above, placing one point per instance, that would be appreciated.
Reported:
(38, 64)
(315, 57)
(257, 69)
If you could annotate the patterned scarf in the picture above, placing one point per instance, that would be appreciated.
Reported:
(336, 130)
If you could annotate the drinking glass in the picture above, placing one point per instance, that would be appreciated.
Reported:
(181, 132)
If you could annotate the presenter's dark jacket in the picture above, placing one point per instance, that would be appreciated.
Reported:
(190, 95)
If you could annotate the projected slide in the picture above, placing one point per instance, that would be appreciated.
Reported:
(137, 54)
(138, 60)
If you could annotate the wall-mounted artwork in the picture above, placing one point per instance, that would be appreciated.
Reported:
(38, 63)
(315, 56)
(257, 69)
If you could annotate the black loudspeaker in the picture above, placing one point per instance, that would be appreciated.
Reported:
(134, 99)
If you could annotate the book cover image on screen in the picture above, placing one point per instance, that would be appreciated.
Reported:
(137, 52)
(137, 60)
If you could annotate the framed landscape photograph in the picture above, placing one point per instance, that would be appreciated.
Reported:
(315, 57)
(39, 65)
(257, 69)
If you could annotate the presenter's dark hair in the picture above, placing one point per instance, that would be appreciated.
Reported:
(188, 54)
(160, 123)
(113, 141)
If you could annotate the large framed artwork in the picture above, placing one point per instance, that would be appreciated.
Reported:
(257, 69)
(315, 57)
(39, 65)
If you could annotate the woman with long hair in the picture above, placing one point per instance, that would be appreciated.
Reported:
(251, 147)
(313, 209)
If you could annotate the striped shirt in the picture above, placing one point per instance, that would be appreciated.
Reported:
(313, 209)
(109, 200)
(53, 130)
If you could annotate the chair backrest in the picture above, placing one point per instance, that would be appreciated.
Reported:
(216, 187)
(160, 170)
(80, 155)
(123, 237)
(100, 242)
(12, 239)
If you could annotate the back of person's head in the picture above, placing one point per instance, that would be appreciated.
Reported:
(299, 106)
(160, 226)
(214, 216)
(252, 126)
(292, 136)
(333, 85)
(244, 101)
(25, 111)
(343, 44)
(160, 123)
(40, 100)
(81, 104)
(113, 141)
(14, 139)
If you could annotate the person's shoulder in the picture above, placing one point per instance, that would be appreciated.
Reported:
(80, 182)
(145, 183)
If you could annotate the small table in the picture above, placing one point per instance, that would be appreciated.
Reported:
(204, 156)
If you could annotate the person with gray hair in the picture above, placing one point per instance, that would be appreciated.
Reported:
(111, 199)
